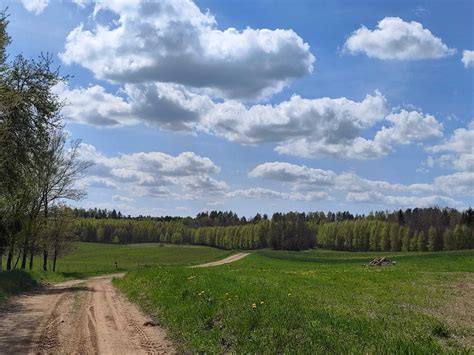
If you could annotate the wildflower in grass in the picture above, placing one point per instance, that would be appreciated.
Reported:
(254, 305)
(261, 302)
(201, 293)
(289, 294)
(191, 277)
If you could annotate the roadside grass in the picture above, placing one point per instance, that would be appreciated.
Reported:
(90, 259)
(312, 302)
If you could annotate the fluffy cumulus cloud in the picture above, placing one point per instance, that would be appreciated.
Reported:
(185, 176)
(35, 6)
(324, 118)
(168, 106)
(457, 151)
(301, 127)
(468, 58)
(170, 60)
(408, 127)
(173, 41)
(395, 39)
(405, 128)
(94, 106)
(303, 180)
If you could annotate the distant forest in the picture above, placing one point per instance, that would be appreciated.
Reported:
(419, 229)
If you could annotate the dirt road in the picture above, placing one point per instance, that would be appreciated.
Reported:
(78, 317)
(229, 259)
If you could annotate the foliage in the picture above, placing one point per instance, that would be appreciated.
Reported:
(37, 170)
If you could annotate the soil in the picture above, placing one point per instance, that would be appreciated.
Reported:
(79, 317)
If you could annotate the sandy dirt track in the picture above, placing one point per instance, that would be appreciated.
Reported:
(229, 259)
(78, 317)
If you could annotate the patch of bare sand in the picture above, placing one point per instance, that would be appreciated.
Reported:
(229, 259)
(79, 317)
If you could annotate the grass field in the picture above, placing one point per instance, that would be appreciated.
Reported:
(88, 259)
(314, 302)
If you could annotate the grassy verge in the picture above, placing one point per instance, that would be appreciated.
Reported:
(311, 302)
(89, 259)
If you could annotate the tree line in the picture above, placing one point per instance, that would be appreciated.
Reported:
(290, 231)
(376, 235)
(38, 168)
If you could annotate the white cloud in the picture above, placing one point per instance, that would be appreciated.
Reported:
(459, 183)
(333, 120)
(82, 3)
(406, 128)
(420, 11)
(409, 127)
(303, 180)
(263, 193)
(94, 106)
(168, 106)
(468, 58)
(459, 149)
(395, 39)
(378, 198)
(120, 198)
(172, 41)
(185, 176)
(35, 6)
(286, 172)
(300, 127)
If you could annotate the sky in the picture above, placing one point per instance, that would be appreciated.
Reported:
(262, 106)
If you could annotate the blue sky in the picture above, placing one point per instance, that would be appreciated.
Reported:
(263, 106)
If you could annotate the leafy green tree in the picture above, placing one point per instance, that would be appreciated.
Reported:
(405, 238)
(448, 240)
(414, 241)
(395, 241)
(433, 244)
(422, 241)
(385, 238)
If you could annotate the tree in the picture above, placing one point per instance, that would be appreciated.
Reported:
(58, 232)
(36, 170)
(395, 241)
(58, 170)
(432, 239)
(406, 234)
(385, 239)
(422, 241)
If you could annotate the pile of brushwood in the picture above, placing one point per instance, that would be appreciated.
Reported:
(381, 262)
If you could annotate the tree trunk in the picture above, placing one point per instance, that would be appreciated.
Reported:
(24, 257)
(31, 258)
(9, 259)
(17, 259)
(45, 260)
(54, 260)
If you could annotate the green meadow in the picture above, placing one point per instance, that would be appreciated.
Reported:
(314, 302)
(90, 259)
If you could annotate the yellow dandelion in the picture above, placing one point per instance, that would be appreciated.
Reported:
(254, 305)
